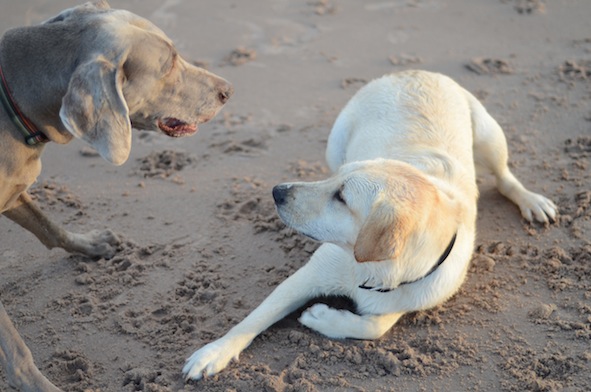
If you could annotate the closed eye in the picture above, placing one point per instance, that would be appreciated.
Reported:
(339, 196)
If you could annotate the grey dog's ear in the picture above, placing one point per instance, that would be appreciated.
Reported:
(383, 235)
(95, 110)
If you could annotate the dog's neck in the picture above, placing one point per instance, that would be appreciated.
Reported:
(34, 85)
(438, 264)
(31, 134)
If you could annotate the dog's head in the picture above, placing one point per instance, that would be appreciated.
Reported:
(381, 209)
(127, 72)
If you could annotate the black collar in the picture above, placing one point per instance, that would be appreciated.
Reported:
(29, 131)
(444, 256)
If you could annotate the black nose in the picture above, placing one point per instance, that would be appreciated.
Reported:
(280, 193)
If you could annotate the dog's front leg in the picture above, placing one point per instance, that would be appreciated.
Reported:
(17, 360)
(93, 244)
(287, 297)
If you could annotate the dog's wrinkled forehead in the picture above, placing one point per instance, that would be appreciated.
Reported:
(360, 182)
(359, 186)
(363, 176)
(384, 178)
(367, 167)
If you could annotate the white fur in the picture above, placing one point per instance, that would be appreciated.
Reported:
(403, 153)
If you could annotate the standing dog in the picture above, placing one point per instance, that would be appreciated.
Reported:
(397, 217)
(94, 73)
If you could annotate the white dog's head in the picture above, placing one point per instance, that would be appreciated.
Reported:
(381, 209)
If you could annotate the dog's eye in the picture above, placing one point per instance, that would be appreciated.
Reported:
(339, 196)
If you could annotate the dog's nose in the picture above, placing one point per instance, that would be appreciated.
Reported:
(280, 194)
(225, 91)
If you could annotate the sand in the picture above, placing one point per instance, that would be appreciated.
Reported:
(202, 244)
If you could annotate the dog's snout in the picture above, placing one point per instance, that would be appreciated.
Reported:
(225, 91)
(280, 193)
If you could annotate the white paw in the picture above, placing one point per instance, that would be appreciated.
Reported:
(103, 243)
(95, 243)
(325, 320)
(535, 206)
(211, 359)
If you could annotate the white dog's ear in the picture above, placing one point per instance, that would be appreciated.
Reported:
(95, 110)
(383, 235)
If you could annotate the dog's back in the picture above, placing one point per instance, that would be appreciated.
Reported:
(417, 117)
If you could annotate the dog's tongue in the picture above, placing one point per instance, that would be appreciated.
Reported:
(175, 127)
(173, 123)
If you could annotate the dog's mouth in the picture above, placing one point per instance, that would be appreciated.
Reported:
(174, 127)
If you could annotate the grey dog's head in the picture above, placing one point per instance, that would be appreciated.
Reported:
(134, 76)
(111, 70)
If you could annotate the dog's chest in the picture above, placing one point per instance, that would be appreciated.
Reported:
(17, 173)
(9, 195)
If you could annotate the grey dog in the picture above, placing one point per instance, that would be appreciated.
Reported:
(91, 72)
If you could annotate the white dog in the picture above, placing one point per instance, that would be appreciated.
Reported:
(397, 217)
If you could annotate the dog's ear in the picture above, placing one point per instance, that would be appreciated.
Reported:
(95, 110)
(383, 235)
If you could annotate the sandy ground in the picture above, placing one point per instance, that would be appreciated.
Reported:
(203, 245)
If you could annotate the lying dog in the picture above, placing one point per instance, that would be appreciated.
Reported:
(90, 72)
(397, 217)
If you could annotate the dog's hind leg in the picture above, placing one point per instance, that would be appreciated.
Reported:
(490, 153)
(93, 244)
(17, 360)
(341, 324)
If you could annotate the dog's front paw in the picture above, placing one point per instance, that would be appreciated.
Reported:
(211, 359)
(535, 206)
(95, 243)
(325, 320)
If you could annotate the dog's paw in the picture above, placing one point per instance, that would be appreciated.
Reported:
(534, 206)
(103, 243)
(96, 243)
(325, 320)
(211, 359)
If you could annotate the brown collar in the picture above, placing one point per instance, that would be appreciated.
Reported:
(29, 131)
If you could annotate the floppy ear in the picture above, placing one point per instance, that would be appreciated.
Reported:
(95, 110)
(382, 236)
